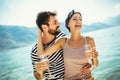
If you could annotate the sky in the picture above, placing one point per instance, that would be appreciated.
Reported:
(24, 12)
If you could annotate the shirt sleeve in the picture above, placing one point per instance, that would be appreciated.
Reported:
(60, 35)
(34, 56)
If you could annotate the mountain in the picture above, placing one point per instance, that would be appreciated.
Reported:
(88, 28)
(109, 22)
(16, 36)
(95, 26)
(113, 20)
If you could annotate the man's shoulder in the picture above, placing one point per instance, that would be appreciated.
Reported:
(60, 35)
(34, 49)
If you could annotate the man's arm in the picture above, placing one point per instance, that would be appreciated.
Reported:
(37, 76)
(35, 59)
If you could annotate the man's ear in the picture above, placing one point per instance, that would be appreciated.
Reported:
(44, 27)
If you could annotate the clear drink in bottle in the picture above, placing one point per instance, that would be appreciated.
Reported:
(88, 52)
(43, 58)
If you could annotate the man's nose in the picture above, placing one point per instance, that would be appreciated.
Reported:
(58, 24)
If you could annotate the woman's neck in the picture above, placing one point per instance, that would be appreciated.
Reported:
(75, 36)
(76, 40)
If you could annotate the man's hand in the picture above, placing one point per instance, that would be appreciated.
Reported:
(38, 76)
(40, 67)
(85, 70)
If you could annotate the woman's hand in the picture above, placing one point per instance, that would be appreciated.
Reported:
(94, 53)
(85, 70)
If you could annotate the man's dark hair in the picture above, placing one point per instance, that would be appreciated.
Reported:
(43, 18)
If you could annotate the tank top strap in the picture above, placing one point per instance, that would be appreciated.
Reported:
(85, 40)
(66, 40)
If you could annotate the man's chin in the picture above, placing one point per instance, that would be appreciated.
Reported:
(56, 33)
(58, 30)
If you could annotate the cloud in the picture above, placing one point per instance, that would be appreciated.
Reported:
(114, 20)
(23, 12)
(117, 6)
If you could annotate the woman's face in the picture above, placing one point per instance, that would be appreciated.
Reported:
(75, 22)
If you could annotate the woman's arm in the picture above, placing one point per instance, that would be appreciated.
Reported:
(50, 50)
(56, 46)
(40, 45)
(94, 52)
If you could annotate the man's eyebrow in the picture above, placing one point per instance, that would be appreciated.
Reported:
(55, 20)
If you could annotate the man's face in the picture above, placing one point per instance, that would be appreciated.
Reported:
(53, 26)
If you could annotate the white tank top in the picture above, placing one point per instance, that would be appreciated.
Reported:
(74, 59)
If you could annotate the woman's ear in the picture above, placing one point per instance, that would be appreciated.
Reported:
(68, 25)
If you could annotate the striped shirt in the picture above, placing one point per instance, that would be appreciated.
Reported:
(56, 65)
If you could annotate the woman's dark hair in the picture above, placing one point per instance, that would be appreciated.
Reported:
(69, 17)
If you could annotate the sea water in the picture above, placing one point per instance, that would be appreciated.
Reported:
(108, 46)
(15, 64)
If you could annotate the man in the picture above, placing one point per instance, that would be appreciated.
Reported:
(48, 24)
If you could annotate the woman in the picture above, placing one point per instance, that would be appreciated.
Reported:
(74, 48)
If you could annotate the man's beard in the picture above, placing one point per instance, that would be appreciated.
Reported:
(54, 32)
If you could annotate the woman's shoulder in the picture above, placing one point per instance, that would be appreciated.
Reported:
(89, 38)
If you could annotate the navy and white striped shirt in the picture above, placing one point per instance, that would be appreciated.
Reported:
(56, 66)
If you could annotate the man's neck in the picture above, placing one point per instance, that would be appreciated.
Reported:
(47, 38)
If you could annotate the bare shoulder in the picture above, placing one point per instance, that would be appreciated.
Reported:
(62, 41)
(90, 40)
